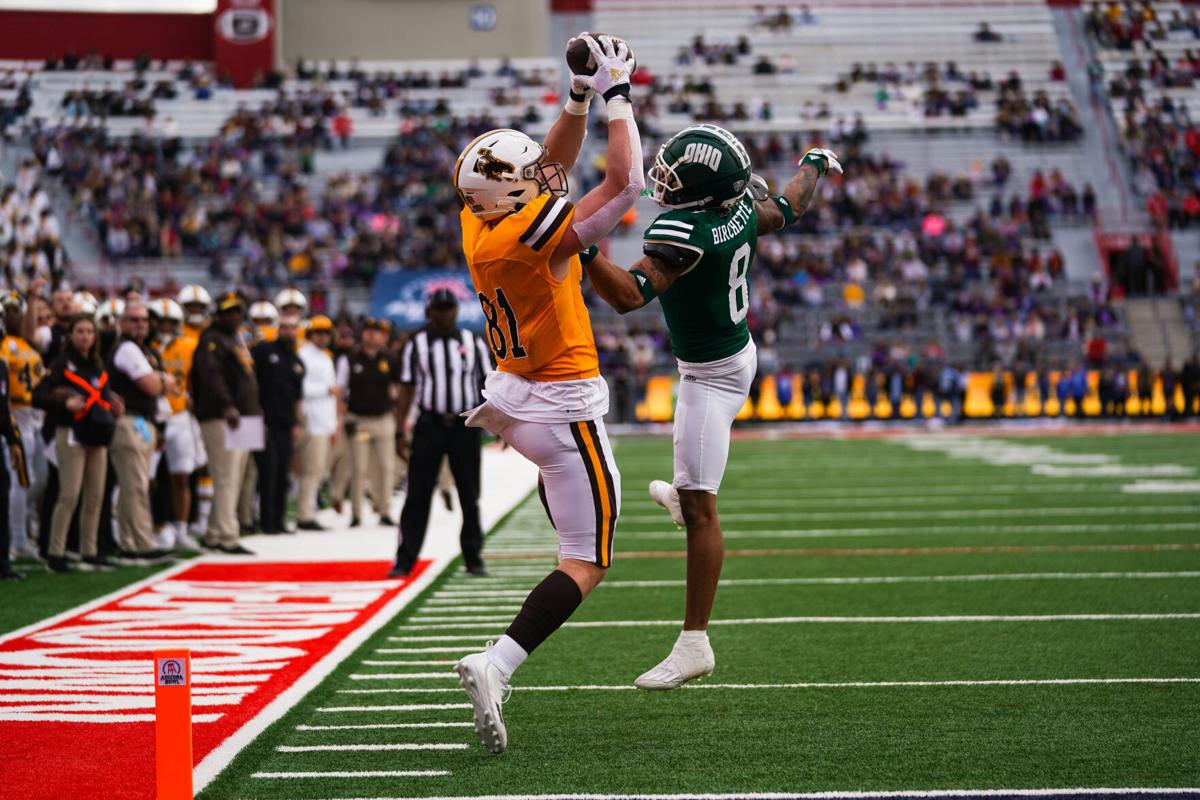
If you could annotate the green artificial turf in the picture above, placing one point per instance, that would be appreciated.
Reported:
(804, 512)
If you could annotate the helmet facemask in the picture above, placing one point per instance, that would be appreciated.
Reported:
(550, 175)
(663, 178)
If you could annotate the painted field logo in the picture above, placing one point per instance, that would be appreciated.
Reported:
(253, 631)
(171, 672)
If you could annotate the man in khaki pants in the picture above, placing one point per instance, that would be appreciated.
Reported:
(319, 406)
(224, 391)
(369, 381)
(137, 376)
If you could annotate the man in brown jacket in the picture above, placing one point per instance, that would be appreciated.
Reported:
(223, 391)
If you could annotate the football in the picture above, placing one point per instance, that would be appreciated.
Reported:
(579, 56)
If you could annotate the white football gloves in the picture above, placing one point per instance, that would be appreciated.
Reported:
(613, 66)
(825, 161)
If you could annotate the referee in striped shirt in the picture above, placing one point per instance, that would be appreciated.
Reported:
(442, 369)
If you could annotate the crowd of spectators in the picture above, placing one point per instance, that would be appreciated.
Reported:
(1158, 134)
(1121, 25)
(243, 197)
(30, 233)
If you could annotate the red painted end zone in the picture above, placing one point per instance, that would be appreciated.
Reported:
(77, 695)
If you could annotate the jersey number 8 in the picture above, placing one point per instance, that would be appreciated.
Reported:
(739, 292)
(496, 338)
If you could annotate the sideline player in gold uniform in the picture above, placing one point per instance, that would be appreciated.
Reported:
(521, 238)
(182, 444)
(25, 372)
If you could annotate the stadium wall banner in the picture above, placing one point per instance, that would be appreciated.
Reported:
(37, 34)
(399, 296)
(77, 690)
(244, 39)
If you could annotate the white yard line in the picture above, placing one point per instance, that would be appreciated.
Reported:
(933, 530)
(458, 592)
(1162, 487)
(410, 650)
(451, 606)
(888, 579)
(398, 663)
(445, 619)
(836, 620)
(405, 676)
(378, 773)
(368, 748)
(733, 500)
(409, 706)
(969, 513)
(901, 495)
(381, 726)
(784, 686)
(433, 639)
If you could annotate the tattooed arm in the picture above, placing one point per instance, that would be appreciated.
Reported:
(627, 290)
(776, 213)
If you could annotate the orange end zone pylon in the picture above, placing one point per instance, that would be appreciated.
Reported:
(173, 723)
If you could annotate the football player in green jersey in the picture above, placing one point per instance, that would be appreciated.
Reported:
(697, 258)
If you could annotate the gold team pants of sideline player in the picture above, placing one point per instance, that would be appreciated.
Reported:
(227, 468)
(373, 452)
(131, 451)
(313, 463)
(81, 471)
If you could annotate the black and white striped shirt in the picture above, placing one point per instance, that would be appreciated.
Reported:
(448, 370)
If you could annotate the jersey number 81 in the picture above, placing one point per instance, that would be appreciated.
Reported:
(496, 338)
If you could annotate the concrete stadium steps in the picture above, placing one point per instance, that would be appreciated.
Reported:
(1158, 328)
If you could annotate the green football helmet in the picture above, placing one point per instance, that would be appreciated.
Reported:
(702, 166)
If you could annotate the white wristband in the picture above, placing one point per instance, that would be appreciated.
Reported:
(577, 107)
(619, 108)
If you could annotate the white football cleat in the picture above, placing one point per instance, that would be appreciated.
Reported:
(667, 496)
(487, 689)
(686, 662)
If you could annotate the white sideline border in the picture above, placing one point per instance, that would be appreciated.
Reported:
(510, 478)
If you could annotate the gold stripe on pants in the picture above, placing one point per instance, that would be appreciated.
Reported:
(81, 470)
(374, 453)
(227, 468)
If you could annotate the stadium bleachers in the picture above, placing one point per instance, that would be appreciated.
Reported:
(192, 118)
(1146, 63)
(819, 53)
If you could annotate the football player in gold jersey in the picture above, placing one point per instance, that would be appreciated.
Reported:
(521, 239)
(183, 448)
(25, 372)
